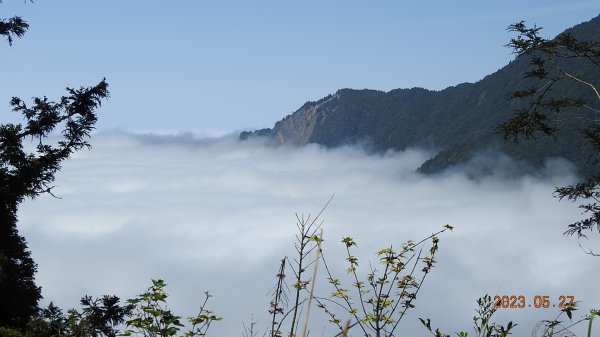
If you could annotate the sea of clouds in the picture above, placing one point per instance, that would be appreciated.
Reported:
(217, 214)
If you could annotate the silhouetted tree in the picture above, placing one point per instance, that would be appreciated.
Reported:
(12, 27)
(18, 293)
(560, 64)
(98, 317)
(29, 174)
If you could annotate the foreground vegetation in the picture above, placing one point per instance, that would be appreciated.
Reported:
(371, 306)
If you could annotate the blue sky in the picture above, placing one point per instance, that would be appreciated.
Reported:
(215, 67)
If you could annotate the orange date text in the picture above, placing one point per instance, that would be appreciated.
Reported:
(538, 302)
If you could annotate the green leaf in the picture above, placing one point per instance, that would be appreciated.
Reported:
(348, 241)
(427, 323)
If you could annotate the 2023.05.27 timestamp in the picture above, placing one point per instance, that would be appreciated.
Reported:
(519, 302)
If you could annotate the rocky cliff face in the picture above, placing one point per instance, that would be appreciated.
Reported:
(297, 128)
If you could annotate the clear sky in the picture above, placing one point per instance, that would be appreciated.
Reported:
(221, 66)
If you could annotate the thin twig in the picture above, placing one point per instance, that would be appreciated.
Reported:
(312, 284)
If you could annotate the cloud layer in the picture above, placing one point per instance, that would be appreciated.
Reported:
(218, 215)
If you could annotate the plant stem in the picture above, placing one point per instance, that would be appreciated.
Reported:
(312, 283)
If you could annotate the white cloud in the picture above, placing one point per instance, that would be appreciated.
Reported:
(218, 215)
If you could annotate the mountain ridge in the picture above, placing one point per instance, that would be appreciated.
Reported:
(460, 121)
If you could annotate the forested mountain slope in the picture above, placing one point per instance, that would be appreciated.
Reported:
(459, 121)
